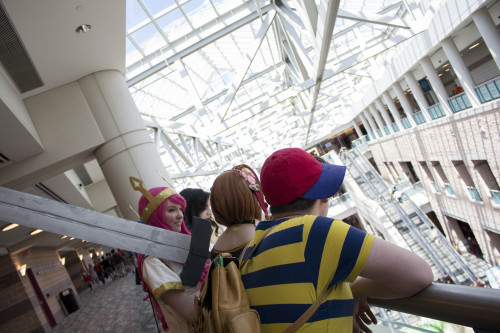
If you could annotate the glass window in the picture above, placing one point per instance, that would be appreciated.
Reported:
(134, 14)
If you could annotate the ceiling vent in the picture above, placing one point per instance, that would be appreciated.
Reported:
(4, 160)
(14, 57)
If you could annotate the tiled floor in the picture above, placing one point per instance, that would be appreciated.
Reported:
(117, 306)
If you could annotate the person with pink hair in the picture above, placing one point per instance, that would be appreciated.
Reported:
(172, 301)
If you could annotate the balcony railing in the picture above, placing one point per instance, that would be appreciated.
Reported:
(449, 189)
(395, 127)
(495, 196)
(436, 111)
(474, 307)
(379, 132)
(459, 102)
(419, 118)
(474, 194)
(406, 122)
(489, 90)
(435, 188)
(386, 130)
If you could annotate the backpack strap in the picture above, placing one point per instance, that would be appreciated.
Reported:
(242, 255)
(306, 315)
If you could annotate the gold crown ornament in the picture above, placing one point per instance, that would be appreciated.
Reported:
(153, 202)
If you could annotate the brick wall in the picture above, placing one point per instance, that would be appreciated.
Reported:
(17, 312)
(467, 136)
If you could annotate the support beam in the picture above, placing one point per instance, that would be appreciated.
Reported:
(240, 75)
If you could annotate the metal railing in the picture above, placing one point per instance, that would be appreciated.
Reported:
(459, 102)
(474, 307)
(419, 118)
(406, 122)
(436, 111)
(489, 90)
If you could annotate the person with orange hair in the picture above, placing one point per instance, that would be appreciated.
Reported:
(172, 301)
(237, 203)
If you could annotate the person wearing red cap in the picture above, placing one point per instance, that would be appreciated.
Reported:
(304, 255)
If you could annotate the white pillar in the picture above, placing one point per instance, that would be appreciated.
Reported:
(384, 113)
(377, 118)
(489, 32)
(393, 109)
(404, 103)
(129, 150)
(463, 74)
(374, 127)
(418, 94)
(357, 129)
(436, 83)
(366, 124)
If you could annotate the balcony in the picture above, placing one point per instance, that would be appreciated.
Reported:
(386, 130)
(436, 111)
(489, 90)
(419, 118)
(406, 122)
(459, 102)
(449, 190)
(395, 127)
(474, 194)
(495, 196)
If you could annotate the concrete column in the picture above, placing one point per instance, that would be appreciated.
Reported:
(378, 119)
(404, 102)
(419, 95)
(357, 129)
(372, 124)
(463, 74)
(436, 83)
(384, 113)
(366, 124)
(128, 150)
(393, 109)
(489, 32)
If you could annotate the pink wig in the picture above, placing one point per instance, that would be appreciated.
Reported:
(157, 218)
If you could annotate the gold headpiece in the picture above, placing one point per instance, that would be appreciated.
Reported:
(153, 202)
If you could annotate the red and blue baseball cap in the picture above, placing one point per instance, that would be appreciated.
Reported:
(292, 173)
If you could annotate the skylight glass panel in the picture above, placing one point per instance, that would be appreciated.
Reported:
(174, 25)
(148, 38)
(224, 6)
(133, 54)
(157, 6)
(199, 12)
(134, 14)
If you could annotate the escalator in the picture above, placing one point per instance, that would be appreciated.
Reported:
(419, 233)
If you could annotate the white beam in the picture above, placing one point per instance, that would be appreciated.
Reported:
(373, 18)
(240, 75)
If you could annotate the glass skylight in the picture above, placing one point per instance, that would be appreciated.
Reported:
(230, 81)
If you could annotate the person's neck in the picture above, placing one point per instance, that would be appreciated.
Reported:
(289, 215)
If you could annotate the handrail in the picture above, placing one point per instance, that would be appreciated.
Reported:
(475, 307)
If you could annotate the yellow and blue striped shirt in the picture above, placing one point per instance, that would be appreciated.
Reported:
(298, 260)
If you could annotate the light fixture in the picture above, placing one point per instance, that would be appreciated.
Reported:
(102, 253)
(72, 238)
(80, 256)
(83, 28)
(63, 261)
(447, 70)
(473, 46)
(440, 74)
(37, 231)
(91, 255)
(446, 65)
(62, 237)
(10, 226)
(22, 270)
